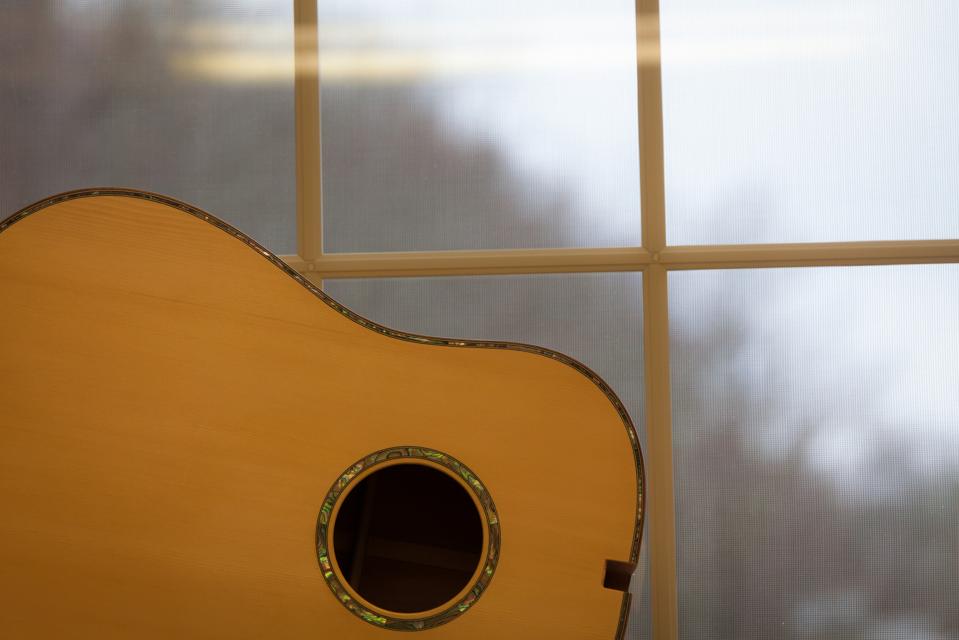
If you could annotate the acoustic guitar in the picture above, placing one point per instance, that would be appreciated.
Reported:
(196, 442)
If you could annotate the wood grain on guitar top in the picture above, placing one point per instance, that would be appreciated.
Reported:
(174, 408)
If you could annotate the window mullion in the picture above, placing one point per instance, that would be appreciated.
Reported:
(661, 529)
(309, 201)
(472, 263)
(811, 254)
(650, 103)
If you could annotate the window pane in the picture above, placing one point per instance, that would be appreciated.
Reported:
(464, 125)
(189, 99)
(595, 318)
(810, 120)
(816, 435)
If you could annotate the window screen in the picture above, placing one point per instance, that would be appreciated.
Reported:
(816, 448)
(810, 120)
(190, 99)
(492, 125)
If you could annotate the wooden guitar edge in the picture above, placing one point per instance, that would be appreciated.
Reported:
(389, 332)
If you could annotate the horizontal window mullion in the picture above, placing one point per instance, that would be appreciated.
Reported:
(518, 261)
(821, 254)
(454, 263)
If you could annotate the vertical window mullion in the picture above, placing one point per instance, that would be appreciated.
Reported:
(661, 520)
(650, 103)
(309, 200)
(659, 454)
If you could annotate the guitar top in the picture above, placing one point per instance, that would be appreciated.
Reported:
(196, 442)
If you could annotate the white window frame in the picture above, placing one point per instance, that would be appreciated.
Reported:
(655, 258)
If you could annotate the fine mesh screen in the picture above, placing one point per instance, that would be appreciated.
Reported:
(189, 99)
(595, 318)
(810, 120)
(816, 435)
(465, 125)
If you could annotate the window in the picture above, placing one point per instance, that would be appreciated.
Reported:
(798, 461)
(759, 197)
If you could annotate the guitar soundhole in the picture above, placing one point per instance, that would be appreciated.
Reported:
(408, 538)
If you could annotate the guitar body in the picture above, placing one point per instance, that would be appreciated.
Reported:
(182, 418)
